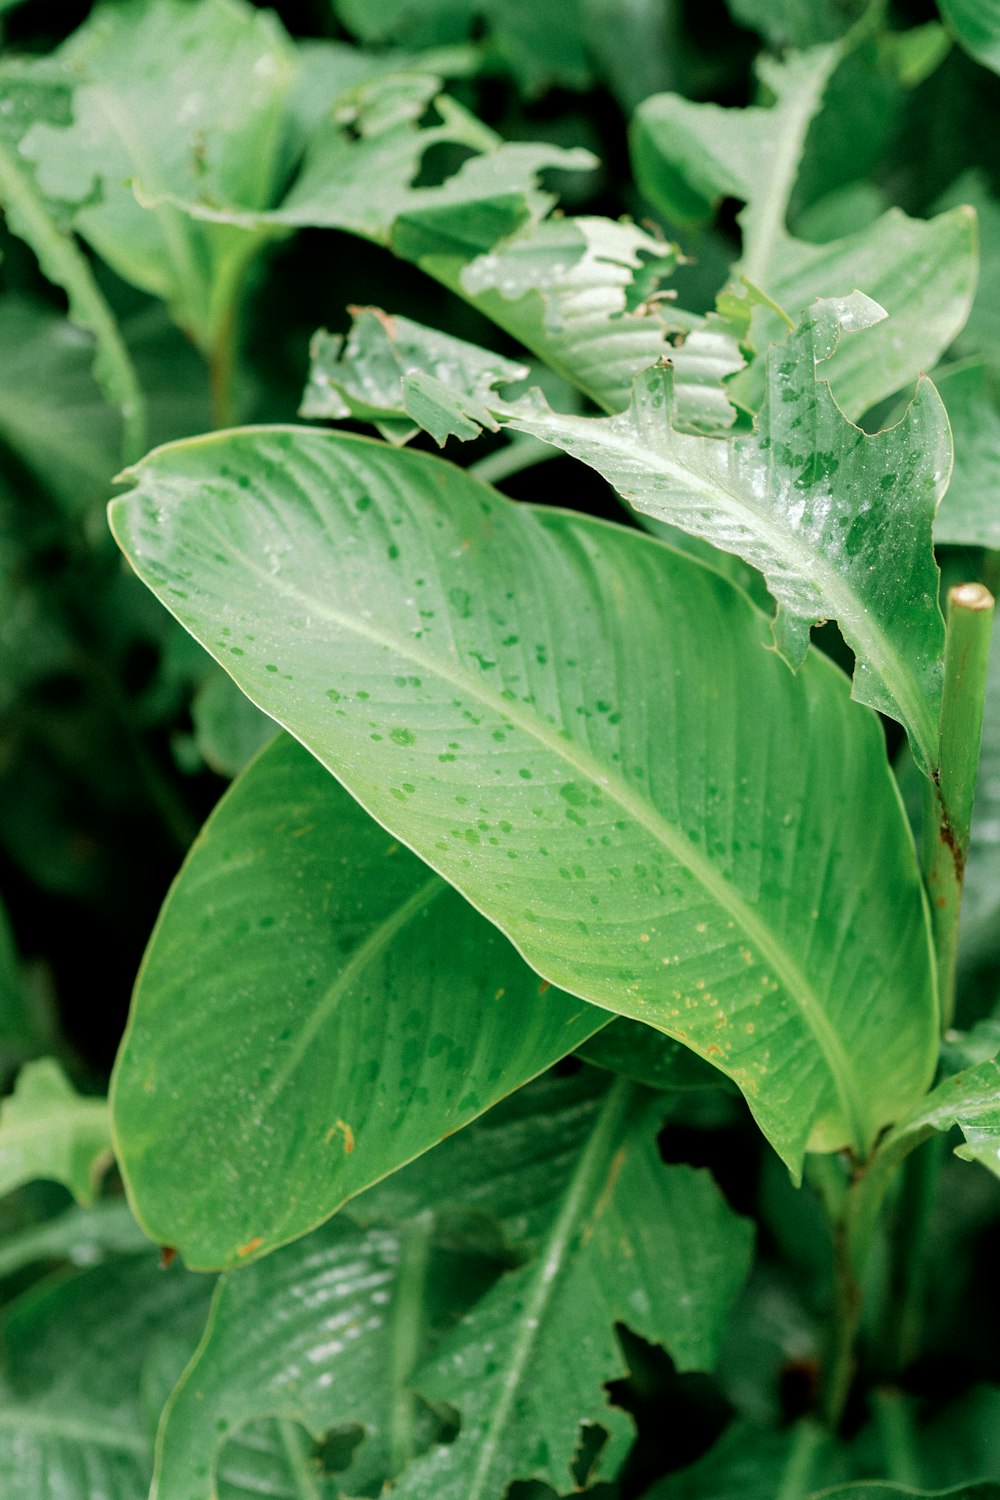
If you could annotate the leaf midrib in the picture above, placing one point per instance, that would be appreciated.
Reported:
(647, 817)
(582, 1192)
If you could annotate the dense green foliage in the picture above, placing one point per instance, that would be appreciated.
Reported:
(541, 1072)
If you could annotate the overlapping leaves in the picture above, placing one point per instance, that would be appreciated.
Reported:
(373, 1309)
(572, 767)
(838, 522)
(315, 1009)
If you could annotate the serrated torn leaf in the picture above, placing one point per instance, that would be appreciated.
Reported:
(837, 520)
(688, 157)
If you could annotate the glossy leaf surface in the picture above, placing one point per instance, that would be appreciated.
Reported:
(981, 898)
(48, 1130)
(688, 157)
(616, 778)
(72, 1420)
(669, 1270)
(365, 1304)
(315, 1009)
(839, 522)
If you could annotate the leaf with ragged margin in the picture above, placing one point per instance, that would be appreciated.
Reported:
(669, 1270)
(688, 157)
(375, 1010)
(567, 758)
(48, 1130)
(838, 522)
(561, 1166)
(368, 376)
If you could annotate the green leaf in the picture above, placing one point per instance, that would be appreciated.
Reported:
(839, 522)
(30, 94)
(976, 25)
(72, 1419)
(48, 1130)
(688, 157)
(796, 23)
(668, 1270)
(981, 897)
(549, 756)
(543, 46)
(377, 1012)
(52, 413)
(365, 1303)
(867, 1491)
(639, 1053)
(970, 1100)
(970, 509)
(81, 1236)
(370, 376)
(981, 334)
(228, 729)
(170, 98)
(575, 292)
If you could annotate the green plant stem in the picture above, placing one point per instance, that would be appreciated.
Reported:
(906, 1295)
(949, 795)
(796, 1481)
(894, 1425)
(840, 1361)
(221, 368)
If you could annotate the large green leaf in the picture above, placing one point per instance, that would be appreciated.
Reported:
(868, 1491)
(376, 1012)
(72, 1418)
(976, 24)
(562, 1167)
(688, 157)
(48, 1130)
(838, 522)
(176, 99)
(796, 23)
(579, 729)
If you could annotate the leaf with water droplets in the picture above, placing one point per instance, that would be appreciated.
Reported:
(404, 1294)
(580, 729)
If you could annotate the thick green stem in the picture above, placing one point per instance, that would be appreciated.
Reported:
(948, 804)
(839, 1365)
(796, 1482)
(906, 1295)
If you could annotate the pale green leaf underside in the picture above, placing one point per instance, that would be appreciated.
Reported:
(689, 156)
(48, 1130)
(376, 1012)
(613, 771)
